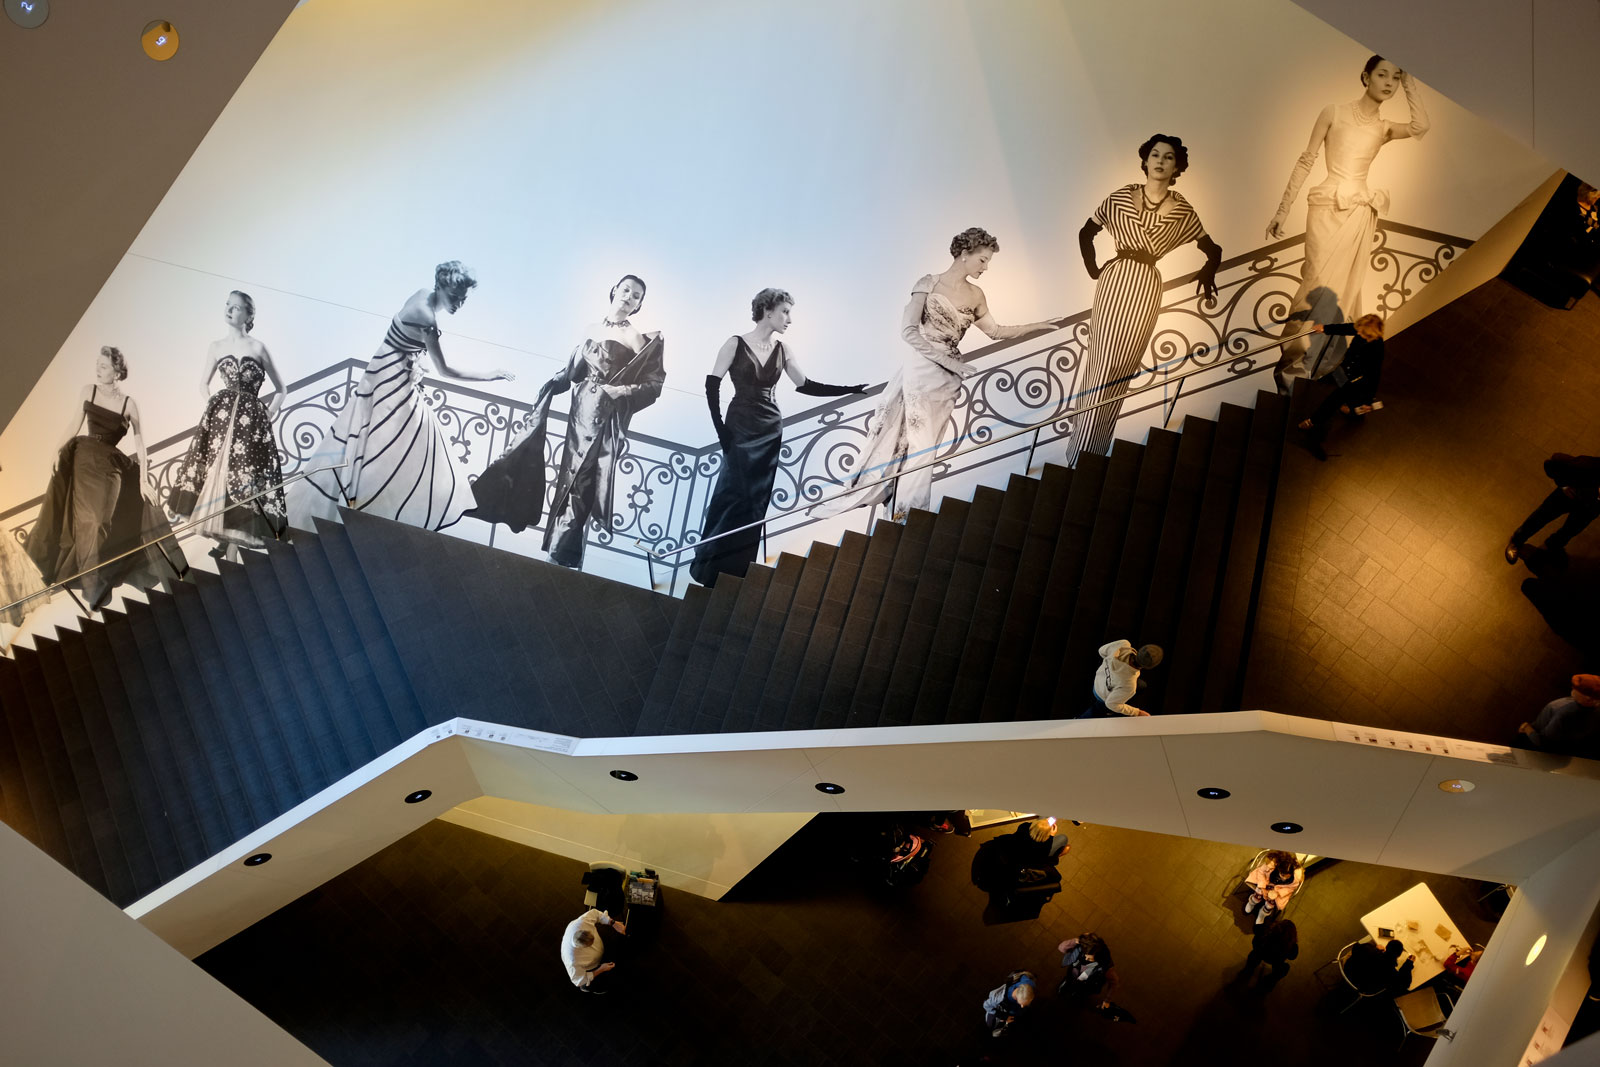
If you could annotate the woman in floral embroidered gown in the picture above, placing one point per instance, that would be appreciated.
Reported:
(1341, 215)
(913, 419)
(234, 454)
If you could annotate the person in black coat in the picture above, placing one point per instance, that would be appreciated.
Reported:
(1274, 944)
(1577, 496)
(1355, 380)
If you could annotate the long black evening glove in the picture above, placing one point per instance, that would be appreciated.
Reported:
(811, 388)
(1086, 246)
(714, 398)
(1206, 283)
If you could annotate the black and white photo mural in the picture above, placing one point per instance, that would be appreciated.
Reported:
(387, 454)
(912, 424)
(1341, 214)
(232, 475)
(751, 435)
(615, 372)
(1146, 220)
(836, 159)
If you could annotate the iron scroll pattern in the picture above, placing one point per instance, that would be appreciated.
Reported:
(662, 486)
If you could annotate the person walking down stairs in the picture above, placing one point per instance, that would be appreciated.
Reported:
(1117, 679)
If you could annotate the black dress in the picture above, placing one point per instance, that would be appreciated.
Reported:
(750, 465)
(94, 510)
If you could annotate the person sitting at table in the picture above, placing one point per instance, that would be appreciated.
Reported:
(1379, 971)
(582, 949)
(1272, 884)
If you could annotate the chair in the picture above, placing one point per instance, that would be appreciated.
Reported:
(1361, 994)
(1423, 1012)
(591, 897)
(1302, 861)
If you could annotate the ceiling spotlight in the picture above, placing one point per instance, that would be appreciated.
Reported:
(1286, 827)
(625, 776)
(258, 859)
(419, 796)
(1211, 792)
(1456, 785)
(1533, 953)
(829, 788)
(159, 40)
(28, 14)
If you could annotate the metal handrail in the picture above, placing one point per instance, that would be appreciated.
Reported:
(55, 586)
(1032, 428)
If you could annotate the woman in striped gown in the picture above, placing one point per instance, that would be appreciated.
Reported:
(396, 459)
(1147, 220)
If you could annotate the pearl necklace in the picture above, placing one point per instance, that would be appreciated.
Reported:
(760, 347)
(617, 325)
(1361, 117)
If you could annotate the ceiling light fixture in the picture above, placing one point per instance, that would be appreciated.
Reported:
(1286, 827)
(1533, 953)
(258, 859)
(1211, 792)
(1456, 785)
(29, 14)
(829, 788)
(625, 776)
(419, 796)
(159, 40)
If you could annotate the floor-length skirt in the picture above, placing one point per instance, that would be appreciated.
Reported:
(1127, 300)
(1338, 247)
(233, 458)
(912, 424)
(94, 511)
(511, 489)
(750, 465)
(19, 581)
(396, 459)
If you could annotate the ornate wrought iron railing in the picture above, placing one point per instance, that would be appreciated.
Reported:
(663, 486)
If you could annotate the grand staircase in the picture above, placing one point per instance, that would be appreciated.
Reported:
(150, 740)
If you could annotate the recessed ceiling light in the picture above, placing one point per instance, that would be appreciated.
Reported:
(829, 788)
(625, 776)
(159, 40)
(1211, 792)
(1456, 785)
(419, 796)
(258, 859)
(1533, 953)
(1286, 827)
(28, 13)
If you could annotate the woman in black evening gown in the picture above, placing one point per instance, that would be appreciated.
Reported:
(101, 502)
(751, 435)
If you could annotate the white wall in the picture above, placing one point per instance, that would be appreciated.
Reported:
(704, 854)
(831, 148)
(84, 984)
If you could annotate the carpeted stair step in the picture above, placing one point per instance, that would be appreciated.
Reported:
(682, 718)
(922, 617)
(855, 633)
(805, 705)
(998, 697)
(658, 702)
(791, 646)
(955, 610)
(50, 832)
(711, 716)
(745, 701)
(1246, 555)
(883, 647)
(1186, 662)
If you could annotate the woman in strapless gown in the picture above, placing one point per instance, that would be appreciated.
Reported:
(614, 373)
(1341, 215)
(751, 435)
(913, 424)
(101, 502)
(234, 454)
(395, 457)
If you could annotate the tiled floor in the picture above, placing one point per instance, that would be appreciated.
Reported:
(1386, 601)
(443, 950)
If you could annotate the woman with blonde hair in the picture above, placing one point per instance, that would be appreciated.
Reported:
(1355, 381)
